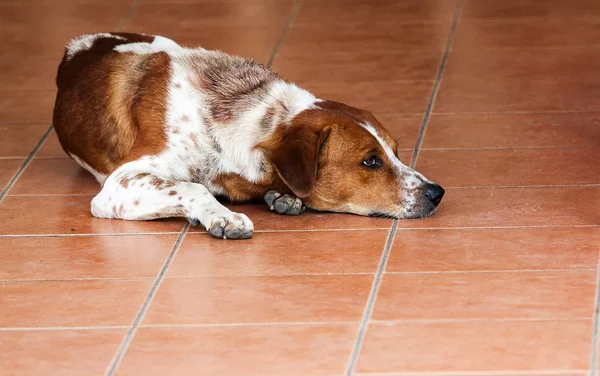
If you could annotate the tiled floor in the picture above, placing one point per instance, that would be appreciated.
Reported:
(501, 281)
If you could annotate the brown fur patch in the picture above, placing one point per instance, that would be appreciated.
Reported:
(110, 106)
(172, 193)
(239, 189)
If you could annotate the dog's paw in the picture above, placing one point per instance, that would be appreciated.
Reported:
(286, 204)
(226, 225)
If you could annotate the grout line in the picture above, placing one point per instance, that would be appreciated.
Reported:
(594, 344)
(293, 13)
(465, 228)
(52, 328)
(76, 235)
(558, 372)
(516, 112)
(134, 7)
(75, 279)
(26, 163)
(366, 317)
(254, 324)
(138, 319)
(509, 148)
(495, 271)
(386, 252)
(436, 84)
(587, 185)
(477, 319)
(339, 274)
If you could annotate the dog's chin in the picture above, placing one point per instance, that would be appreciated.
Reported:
(404, 214)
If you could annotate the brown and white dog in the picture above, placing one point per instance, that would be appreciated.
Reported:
(165, 129)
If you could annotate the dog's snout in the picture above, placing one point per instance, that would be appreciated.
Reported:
(434, 193)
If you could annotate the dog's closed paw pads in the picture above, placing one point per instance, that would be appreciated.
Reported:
(231, 226)
(286, 204)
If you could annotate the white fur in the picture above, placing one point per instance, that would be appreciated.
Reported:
(158, 44)
(85, 42)
(234, 152)
(100, 177)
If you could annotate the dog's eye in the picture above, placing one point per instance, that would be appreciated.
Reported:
(373, 162)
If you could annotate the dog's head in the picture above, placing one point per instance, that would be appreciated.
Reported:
(339, 158)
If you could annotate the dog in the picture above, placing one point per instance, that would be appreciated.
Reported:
(164, 129)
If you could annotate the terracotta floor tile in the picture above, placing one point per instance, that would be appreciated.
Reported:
(280, 254)
(71, 303)
(342, 11)
(494, 295)
(258, 350)
(494, 249)
(404, 129)
(366, 36)
(514, 95)
(392, 97)
(523, 64)
(345, 67)
(525, 167)
(58, 352)
(8, 168)
(259, 300)
(190, 14)
(513, 131)
(489, 345)
(266, 220)
(55, 176)
(256, 42)
(526, 33)
(84, 257)
(55, 24)
(51, 148)
(529, 8)
(68, 215)
(34, 73)
(26, 106)
(491, 207)
(19, 140)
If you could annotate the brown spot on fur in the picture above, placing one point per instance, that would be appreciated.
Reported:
(110, 107)
(178, 85)
(184, 119)
(141, 175)
(161, 184)
(194, 139)
(179, 198)
(172, 193)
(136, 202)
(124, 182)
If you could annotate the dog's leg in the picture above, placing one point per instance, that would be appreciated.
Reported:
(133, 194)
(284, 204)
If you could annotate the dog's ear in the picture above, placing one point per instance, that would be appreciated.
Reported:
(297, 156)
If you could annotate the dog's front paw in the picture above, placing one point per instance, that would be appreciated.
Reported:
(286, 204)
(226, 225)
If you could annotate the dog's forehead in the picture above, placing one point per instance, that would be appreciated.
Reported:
(355, 119)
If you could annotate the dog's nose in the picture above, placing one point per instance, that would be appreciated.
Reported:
(434, 193)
